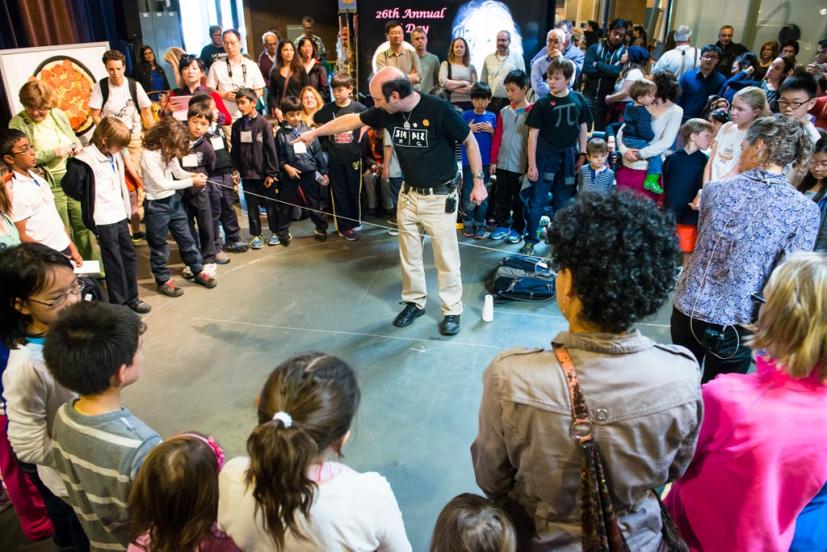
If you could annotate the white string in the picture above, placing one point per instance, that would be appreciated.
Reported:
(366, 223)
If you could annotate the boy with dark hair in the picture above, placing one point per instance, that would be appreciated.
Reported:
(254, 156)
(221, 185)
(196, 201)
(558, 127)
(683, 178)
(344, 152)
(637, 129)
(796, 97)
(508, 159)
(482, 123)
(596, 176)
(300, 164)
(94, 349)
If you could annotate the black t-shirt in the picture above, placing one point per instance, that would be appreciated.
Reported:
(559, 120)
(426, 149)
(345, 147)
(210, 54)
(682, 178)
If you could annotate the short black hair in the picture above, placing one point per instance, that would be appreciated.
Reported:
(618, 24)
(747, 59)
(794, 44)
(801, 81)
(248, 93)
(24, 271)
(518, 77)
(233, 31)
(89, 342)
(622, 253)
(187, 59)
(290, 103)
(480, 90)
(199, 99)
(391, 24)
(401, 86)
(711, 48)
(8, 138)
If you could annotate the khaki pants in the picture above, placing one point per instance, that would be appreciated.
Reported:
(418, 214)
(135, 148)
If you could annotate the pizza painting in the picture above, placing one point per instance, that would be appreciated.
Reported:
(72, 84)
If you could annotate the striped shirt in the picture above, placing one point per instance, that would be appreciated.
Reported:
(601, 182)
(97, 457)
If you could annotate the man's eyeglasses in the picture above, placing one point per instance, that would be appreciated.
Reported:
(794, 105)
(709, 58)
(60, 299)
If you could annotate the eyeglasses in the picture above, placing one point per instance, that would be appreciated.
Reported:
(60, 299)
(709, 58)
(786, 103)
(819, 164)
(25, 149)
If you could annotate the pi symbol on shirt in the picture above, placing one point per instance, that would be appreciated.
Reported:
(571, 114)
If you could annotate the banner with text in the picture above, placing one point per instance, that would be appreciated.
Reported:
(477, 21)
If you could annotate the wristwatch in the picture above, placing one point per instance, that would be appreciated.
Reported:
(480, 175)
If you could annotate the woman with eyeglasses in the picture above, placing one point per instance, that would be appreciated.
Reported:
(814, 186)
(36, 283)
(747, 223)
(762, 448)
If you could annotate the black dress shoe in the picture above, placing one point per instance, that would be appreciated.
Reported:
(449, 325)
(406, 317)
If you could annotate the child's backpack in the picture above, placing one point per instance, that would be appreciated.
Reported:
(522, 278)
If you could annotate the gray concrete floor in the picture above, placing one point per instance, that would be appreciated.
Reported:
(207, 353)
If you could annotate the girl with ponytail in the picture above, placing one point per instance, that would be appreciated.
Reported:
(287, 494)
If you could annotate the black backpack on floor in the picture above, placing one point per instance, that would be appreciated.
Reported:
(522, 278)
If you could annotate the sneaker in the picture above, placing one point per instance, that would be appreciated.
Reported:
(187, 273)
(468, 229)
(222, 258)
(499, 233)
(319, 234)
(527, 249)
(393, 232)
(257, 243)
(210, 269)
(169, 289)
(140, 307)
(350, 235)
(286, 239)
(236, 247)
(479, 233)
(274, 240)
(358, 228)
(204, 279)
(514, 237)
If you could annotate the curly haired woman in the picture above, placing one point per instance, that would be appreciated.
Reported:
(616, 258)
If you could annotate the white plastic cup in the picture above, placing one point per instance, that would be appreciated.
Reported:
(488, 309)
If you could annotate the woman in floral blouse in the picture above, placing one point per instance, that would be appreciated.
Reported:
(747, 224)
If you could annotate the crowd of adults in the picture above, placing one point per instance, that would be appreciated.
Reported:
(732, 413)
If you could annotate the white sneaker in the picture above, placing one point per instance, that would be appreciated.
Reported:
(187, 273)
(210, 269)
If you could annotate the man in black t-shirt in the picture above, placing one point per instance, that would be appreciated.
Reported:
(425, 131)
(213, 51)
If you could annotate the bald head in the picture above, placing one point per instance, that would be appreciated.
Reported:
(388, 86)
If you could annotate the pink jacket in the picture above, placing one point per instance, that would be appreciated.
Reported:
(761, 457)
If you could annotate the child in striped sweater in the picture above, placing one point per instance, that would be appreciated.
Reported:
(596, 176)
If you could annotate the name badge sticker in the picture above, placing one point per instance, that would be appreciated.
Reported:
(299, 148)
(246, 136)
(217, 142)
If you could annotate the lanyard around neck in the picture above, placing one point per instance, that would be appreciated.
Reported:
(243, 71)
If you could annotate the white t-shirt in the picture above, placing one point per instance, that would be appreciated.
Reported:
(32, 201)
(350, 512)
(631, 76)
(110, 204)
(245, 74)
(119, 103)
(727, 152)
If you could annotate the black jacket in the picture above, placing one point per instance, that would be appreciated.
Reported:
(255, 160)
(79, 184)
(313, 160)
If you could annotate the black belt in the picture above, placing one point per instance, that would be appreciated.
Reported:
(442, 189)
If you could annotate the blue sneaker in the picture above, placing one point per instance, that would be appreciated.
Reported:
(514, 237)
(257, 243)
(499, 233)
(274, 240)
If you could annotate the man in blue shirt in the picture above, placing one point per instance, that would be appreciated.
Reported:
(698, 84)
(570, 52)
(554, 49)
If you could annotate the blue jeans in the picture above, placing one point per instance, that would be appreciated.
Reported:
(655, 165)
(535, 199)
(161, 217)
(473, 214)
